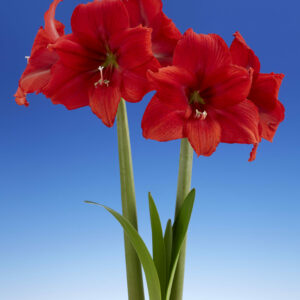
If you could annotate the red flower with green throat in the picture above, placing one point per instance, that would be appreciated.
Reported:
(101, 61)
(38, 71)
(165, 34)
(264, 90)
(202, 97)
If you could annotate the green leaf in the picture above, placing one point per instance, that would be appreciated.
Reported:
(180, 228)
(168, 239)
(142, 252)
(158, 245)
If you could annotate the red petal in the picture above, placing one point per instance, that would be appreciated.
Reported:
(104, 100)
(239, 123)
(170, 84)
(201, 54)
(37, 73)
(162, 122)
(93, 23)
(35, 81)
(134, 82)
(133, 47)
(68, 87)
(204, 135)
(253, 153)
(41, 41)
(20, 97)
(265, 88)
(270, 120)
(165, 37)
(242, 54)
(53, 28)
(73, 55)
(227, 87)
(142, 12)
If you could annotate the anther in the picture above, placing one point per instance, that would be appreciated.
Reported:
(201, 115)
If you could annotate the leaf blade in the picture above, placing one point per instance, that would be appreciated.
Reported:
(158, 245)
(180, 228)
(168, 240)
(142, 252)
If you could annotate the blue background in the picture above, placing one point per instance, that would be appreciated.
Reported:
(244, 235)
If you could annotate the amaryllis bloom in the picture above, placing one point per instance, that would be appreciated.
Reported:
(101, 61)
(37, 73)
(264, 90)
(165, 34)
(202, 97)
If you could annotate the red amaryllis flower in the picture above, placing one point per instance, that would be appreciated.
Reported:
(101, 61)
(165, 34)
(202, 97)
(264, 90)
(37, 73)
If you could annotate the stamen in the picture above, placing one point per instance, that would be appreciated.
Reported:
(27, 57)
(201, 115)
(101, 81)
(106, 82)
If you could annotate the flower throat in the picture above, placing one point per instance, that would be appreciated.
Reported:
(197, 102)
(110, 63)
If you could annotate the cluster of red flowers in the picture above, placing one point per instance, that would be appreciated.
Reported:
(205, 91)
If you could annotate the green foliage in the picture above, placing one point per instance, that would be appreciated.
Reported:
(159, 270)
(168, 239)
(158, 246)
(180, 228)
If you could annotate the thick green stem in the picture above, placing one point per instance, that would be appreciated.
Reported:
(183, 188)
(133, 266)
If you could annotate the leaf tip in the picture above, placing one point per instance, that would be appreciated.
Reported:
(91, 202)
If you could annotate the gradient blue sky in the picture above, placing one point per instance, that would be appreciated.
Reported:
(244, 236)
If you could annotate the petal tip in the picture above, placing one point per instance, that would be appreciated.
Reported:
(253, 153)
(20, 97)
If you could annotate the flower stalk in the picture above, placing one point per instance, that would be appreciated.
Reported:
(183, 188)
(133, 266)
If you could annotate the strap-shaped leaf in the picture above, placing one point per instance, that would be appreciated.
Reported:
(158, 245)
(142, 252)
(168, 239)
(180, 228)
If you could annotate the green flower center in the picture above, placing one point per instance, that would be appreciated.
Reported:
(110, 61)
(197, 104)
(195, 98)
